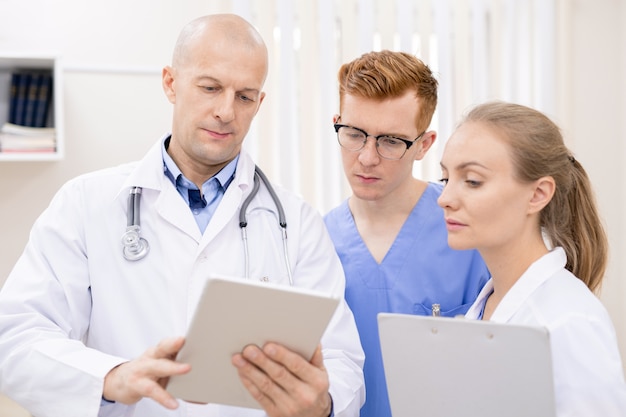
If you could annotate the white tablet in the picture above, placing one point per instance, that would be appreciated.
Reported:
(233, 313)
(443, 366)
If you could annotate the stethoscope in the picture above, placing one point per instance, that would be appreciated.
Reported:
(136, 247)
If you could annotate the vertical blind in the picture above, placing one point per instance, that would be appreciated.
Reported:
(478, 49)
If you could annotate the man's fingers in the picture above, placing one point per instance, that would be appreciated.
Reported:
(161, 368)
(152, 389)
(168, 348)
(265, 401)
(318, 359)
(254, 369)
(146, 376)
(295, 364)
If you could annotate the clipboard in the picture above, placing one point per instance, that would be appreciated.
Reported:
(441, 366)
(233, 313)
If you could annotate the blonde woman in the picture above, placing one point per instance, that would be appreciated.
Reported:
(516, 193)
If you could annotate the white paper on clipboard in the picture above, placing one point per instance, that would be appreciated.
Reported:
(233, 313)
(439, 366)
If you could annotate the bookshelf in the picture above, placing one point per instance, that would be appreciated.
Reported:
(15, 62)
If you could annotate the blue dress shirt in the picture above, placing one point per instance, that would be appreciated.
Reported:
(202, 203)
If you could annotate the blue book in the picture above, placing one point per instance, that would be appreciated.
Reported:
(44, 100)
(32, 99)
(20, 102)
(15, 81)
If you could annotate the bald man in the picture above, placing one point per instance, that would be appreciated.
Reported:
(89, 326)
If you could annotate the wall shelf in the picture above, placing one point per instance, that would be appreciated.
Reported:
(12, 62)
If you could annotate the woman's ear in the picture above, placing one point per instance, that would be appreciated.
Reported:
(542, 194)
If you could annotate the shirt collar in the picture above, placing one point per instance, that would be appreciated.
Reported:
(171, 170)
(537, 273)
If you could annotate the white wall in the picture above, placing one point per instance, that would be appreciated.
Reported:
(114, 107)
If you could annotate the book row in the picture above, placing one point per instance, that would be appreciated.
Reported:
(30, 97)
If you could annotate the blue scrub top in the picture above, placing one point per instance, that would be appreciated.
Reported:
(419, 270)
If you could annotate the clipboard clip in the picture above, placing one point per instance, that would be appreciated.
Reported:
(436, 310)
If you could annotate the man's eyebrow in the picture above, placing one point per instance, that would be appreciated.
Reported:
(215, 80)
(209, 78)
(250, 89)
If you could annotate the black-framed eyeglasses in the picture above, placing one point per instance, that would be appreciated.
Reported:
(388, 147)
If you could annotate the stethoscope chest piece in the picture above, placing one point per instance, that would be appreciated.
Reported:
(135, 247)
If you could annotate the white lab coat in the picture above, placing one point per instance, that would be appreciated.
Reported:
(587, 368)
(73, 307)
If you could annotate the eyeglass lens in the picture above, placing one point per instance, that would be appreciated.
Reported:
(388, 147)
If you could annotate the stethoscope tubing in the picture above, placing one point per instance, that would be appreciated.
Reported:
(282, 221)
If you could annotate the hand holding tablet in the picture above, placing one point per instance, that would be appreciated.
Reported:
(234, 313)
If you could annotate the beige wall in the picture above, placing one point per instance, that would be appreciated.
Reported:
(112, 118)
(593, 110)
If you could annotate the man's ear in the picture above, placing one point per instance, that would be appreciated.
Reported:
(543, 192)
(167, 79)
(261, 98)
(425, 142)
(336, 118)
